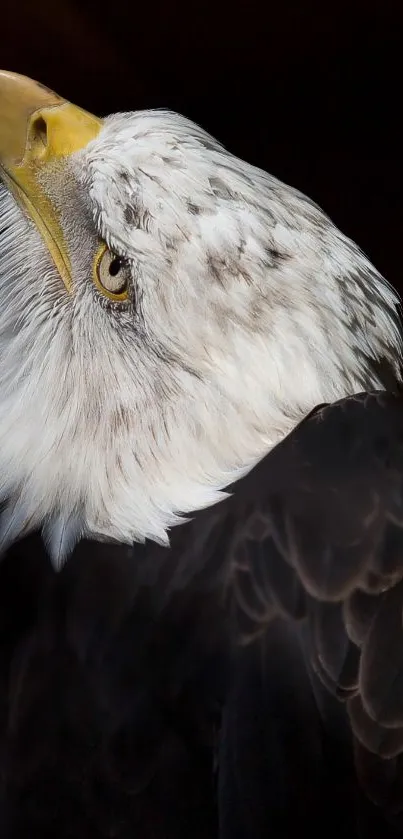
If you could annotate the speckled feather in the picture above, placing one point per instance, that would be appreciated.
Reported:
(247, 308)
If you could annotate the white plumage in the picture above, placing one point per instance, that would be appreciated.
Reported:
(247, 307)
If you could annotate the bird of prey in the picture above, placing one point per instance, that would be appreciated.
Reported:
(201, 416)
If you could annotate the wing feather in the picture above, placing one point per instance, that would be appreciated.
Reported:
(329, 553)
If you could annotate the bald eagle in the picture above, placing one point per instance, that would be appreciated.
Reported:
(201, 410)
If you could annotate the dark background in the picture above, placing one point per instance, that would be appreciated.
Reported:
(309, 90)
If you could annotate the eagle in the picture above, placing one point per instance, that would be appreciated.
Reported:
(201, 487)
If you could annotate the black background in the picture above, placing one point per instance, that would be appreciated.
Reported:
(309, 90)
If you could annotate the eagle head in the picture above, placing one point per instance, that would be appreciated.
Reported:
(167, 314)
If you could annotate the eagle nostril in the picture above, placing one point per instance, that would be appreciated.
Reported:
(39, 135)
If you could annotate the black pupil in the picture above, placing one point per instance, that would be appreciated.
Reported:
(115, 266)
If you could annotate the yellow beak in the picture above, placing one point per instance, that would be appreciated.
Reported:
(38, 128)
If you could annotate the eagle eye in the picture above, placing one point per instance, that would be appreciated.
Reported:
(111, 274)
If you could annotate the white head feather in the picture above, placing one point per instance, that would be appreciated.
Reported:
(248, 307)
